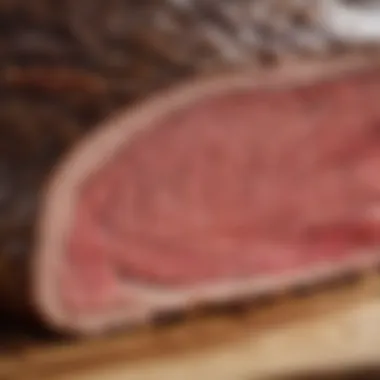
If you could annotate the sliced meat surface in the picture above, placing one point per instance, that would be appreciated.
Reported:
(239, 186)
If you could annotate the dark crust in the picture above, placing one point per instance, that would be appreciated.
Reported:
(67, 65)
(98, 147)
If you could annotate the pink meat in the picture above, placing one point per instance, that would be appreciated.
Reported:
(220, 189)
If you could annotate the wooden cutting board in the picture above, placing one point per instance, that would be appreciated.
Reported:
(334, 327)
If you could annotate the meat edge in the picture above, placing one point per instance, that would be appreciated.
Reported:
(59, 196)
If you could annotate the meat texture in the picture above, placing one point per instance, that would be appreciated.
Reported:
(197, 193)
(204, 194)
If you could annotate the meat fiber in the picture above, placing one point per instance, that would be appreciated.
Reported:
(219, 189)
(66, 66)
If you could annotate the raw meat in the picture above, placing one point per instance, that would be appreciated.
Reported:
(218, 189)
(67, 66)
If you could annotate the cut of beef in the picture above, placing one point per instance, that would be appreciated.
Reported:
(217, 189)
(212, 190)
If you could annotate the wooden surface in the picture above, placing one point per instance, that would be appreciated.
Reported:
(337, 326)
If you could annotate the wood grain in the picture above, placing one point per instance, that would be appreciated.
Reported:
(326, 328)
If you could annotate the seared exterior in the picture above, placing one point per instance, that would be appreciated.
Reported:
(66, 65)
